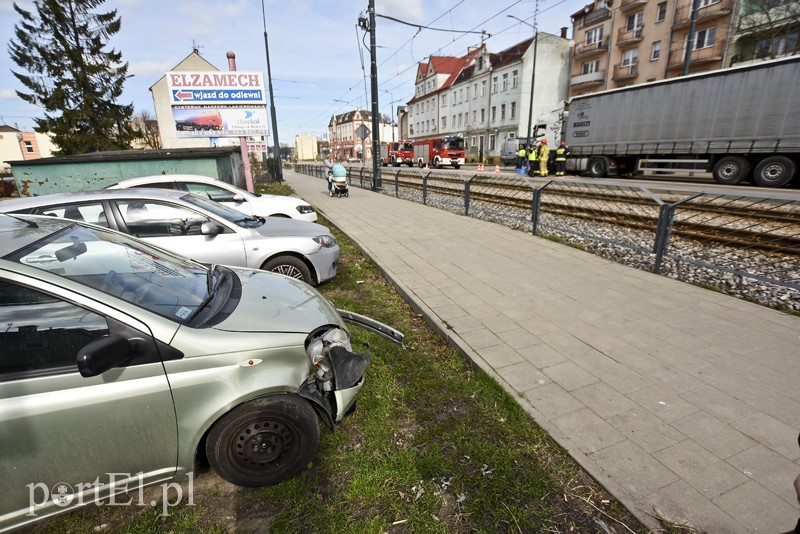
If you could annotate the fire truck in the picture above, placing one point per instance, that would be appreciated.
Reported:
(439, 151)
(396, 153)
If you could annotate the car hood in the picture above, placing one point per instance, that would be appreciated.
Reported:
(283, 227)
(275, 303)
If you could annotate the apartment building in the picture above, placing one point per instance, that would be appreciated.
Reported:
(485, 97)
(628, 42)
(350, 134)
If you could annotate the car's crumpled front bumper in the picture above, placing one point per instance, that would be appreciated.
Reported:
(347, 369)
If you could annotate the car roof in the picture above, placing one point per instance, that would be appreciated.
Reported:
(19, 231)
(88, 196)
(161, 178)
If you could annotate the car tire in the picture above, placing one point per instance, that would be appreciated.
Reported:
(290, 266)
(774, 171)
(264, 441)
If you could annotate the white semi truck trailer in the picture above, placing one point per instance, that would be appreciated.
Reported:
(741, 123)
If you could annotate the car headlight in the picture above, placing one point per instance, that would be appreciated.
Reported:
(326, 241)
(305, 208)
(319, 354)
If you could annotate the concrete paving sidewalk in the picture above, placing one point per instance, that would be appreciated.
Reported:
(681, 401)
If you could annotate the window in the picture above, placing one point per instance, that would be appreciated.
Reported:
(444, 121)
(706, 3)
(513, 110)
(460, 95)
(154, 219)
(93, 213)
(444, 99)
(784, 44)
(494, 113)
(505, 82)
(41, 332)
(656, 53)
(483, 88)
(491, 141)
(630, 57)
(468, 92)
(635, 21)
(474, 116)
(474, 91)
(494, 84)
(589, 67)
(595, 35)
(705, 38)
(483, 114)
(514, 79)
(28, 147)
(472, 141)
(662, 12)
(459, 120)
(502, 112)
(217, 194)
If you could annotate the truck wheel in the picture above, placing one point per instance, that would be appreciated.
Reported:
(731, 170)
(774, 171)
(598, 167)
(456, 165)
(437, 163)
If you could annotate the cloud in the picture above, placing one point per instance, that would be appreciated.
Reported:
(406, 10)
(149, 68)
(8, 94)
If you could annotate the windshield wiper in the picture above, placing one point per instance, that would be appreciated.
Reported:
(211, 291)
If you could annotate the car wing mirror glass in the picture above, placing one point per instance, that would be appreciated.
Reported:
(238, 199)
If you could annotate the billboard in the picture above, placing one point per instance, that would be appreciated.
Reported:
(220, 121)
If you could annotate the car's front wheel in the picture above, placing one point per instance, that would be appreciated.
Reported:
(290, 266)
(264, 441)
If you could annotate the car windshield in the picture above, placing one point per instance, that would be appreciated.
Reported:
(223, 212)
(406, 146)
(125, 268)
(454, 144)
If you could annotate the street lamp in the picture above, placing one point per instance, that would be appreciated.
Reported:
(533, 70)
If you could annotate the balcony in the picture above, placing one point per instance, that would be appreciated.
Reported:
(625, 72)
(683, 13)
(629, 37)
(592, 78)
(585, 50)
(702, 56)
(630, 5)
(593, 17)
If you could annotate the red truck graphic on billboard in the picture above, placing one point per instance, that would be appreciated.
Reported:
(197, 119)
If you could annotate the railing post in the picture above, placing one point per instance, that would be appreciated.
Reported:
(425, 189)
(397, 184)
(467, 188)
(666, 215)
(536, 205)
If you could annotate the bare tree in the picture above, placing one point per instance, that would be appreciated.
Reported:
(146, 128)
(767, 29)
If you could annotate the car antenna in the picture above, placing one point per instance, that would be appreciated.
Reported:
(31, 224)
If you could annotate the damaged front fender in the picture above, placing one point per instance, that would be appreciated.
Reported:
(372, 325)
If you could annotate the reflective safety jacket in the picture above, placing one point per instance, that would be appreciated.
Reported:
(532, 155)
(561, 153)
(521, 153)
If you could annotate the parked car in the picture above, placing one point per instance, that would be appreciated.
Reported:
(353, 160)
(228, 194)
(123, 365)
(198, 228)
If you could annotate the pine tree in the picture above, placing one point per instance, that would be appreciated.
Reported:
(61, 46)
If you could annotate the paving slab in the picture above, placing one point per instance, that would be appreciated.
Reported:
(682, 402)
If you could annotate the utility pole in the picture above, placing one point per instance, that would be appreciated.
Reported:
(376, 136)
(276, 151)
(687, 59)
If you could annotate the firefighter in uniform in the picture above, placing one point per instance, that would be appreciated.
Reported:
(533, 157)
(521, 160)
(544, 157)
(562, 153)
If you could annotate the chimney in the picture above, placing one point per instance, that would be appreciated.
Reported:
(564, 32)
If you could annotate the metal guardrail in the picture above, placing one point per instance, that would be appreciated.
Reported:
(745, 244)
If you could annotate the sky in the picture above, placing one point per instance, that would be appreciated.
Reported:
(319, 58)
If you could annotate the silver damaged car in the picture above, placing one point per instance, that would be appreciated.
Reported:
(123, 365)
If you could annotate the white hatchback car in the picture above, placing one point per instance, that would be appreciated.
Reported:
(198, 228)
(250, 203)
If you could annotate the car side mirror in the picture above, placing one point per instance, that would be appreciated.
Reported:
(238, 199)
(209, 228)
(103, 354)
